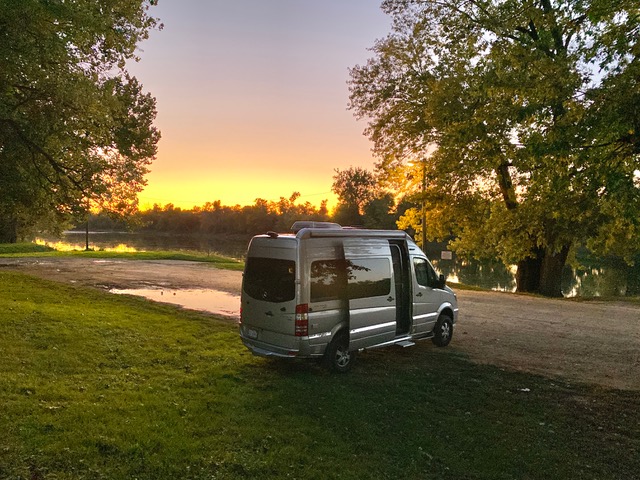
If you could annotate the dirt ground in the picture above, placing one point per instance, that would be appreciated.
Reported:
(590, 341)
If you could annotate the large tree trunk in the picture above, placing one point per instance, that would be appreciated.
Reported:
(551, 273)
(528, 273)
(8, 230)
(633, 279)
(542, 272)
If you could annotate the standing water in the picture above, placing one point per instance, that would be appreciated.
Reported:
(610, 279)
(212, 301)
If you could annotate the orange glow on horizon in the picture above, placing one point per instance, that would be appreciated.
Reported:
(237, 171)
(252, 99)
(187, 195)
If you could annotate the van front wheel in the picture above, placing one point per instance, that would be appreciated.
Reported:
(443, 330)
(337, 357)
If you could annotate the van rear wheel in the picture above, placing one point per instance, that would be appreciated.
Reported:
(337, 357)
(443, 331)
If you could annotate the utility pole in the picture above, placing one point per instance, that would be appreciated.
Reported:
(424, 208)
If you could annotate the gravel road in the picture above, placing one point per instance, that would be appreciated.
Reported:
(583, 341)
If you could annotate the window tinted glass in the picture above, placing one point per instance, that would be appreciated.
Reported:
(270, 279)
(425, 275)
(327, 280)
(368, 277)
(422, 277)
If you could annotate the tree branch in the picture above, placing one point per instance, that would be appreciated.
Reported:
(31, 145)
(506, 186)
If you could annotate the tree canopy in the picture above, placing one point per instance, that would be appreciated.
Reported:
(526, 114)
(361, 201)
(355, 187)
(75, 128)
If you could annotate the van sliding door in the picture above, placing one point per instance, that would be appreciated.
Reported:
(371, 292)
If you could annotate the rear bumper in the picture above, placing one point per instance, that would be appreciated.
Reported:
(264, 350)
(300, 347)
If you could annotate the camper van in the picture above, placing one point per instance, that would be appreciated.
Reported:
(326, 292)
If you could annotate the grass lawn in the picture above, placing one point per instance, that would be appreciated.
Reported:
(100, 386)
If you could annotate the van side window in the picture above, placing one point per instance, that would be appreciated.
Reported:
(327, 277)
(270, 279)
(362, 278)
(370, 277)
(425, 275)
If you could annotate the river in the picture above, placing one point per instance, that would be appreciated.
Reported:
(586, 281)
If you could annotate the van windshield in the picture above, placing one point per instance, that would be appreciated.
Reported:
(270, 279)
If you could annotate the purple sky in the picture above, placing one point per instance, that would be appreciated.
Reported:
(252, 97)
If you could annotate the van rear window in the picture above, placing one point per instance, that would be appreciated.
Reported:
(270, 279)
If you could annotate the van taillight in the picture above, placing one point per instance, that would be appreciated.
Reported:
(302, 320)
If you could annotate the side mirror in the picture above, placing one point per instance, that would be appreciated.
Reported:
(441, 281)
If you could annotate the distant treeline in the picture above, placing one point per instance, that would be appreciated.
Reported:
(215, 218)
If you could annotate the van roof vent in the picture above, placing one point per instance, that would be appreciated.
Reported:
(300, 224)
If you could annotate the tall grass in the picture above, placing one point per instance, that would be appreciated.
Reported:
(109, 387)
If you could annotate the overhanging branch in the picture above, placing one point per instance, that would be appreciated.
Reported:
(33, 146)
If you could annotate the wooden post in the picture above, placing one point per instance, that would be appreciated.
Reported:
(86, 237)
(86, 248)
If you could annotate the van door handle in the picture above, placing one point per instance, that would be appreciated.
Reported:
(419, 294)
(268, 314)
(390, 299)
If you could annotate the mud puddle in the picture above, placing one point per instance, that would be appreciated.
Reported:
(212, 301)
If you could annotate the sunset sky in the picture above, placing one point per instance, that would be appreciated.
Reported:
(252, 97)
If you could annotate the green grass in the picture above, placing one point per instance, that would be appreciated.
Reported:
(33, 250)
(99, 386)
(19, 249)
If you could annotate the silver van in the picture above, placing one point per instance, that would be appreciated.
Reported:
(326, 292)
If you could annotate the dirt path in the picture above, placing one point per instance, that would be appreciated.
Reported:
(128, 274)
(593, 342)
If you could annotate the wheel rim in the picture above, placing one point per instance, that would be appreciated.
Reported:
(342, 357)
(445, 331)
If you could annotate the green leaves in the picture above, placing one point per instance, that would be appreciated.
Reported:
(527, 109)
(74, 126)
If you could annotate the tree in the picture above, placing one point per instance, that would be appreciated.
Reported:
(526, 114)
(379, 212)
(355, 187)
(75, 128)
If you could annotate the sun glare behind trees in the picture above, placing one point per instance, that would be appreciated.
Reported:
(536, 101)
(507, 127)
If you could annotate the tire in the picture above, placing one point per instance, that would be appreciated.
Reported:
(443, 330)
(337, 357)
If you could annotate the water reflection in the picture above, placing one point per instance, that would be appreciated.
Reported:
(605, 282)
(612, 278)
(234, 246)
(486, 274)
(212, 301)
